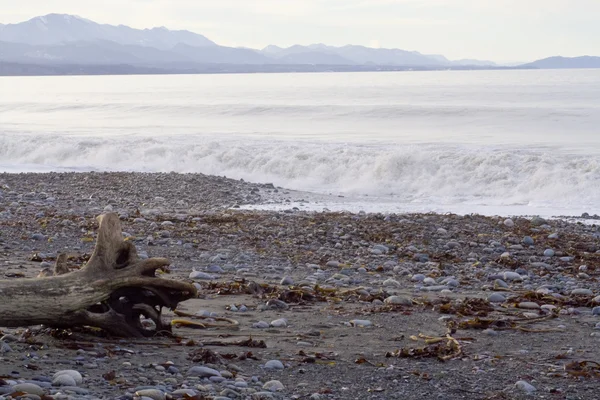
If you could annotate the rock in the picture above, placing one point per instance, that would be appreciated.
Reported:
(442, 231)
(490, 332)
(538, 221)
(203, 372)
(215, 269)
(38, 236)
(400, 300)
(277, 304)
(525, 387)
(63, 380)
(437, 288)
(509, 223)
(581, 292)
(262, 396)
(274, 364)
(549, 253)
(287, 280)
(596, 300)
(273, 386)
(333, 264)
(418, 278)
(29, 388)
(153, 394)
(499, 283)
(553, 236)
(199, 275)
(429, 281)
(5, 348)
(512, 276)
(361, 323)
(496, 298)
(72, 373)
(391, 282)
(529, 305)
(261, 325)
(279, 323)
(528, 241)
(596, 311)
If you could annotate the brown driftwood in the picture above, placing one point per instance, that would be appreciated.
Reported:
(114, 291)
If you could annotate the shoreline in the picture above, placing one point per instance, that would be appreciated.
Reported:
(246, 195)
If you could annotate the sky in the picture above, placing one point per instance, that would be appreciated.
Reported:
(497, 30)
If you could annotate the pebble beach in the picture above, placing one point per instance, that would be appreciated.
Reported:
(347, 305)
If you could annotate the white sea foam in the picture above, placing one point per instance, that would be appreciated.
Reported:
(413, 175)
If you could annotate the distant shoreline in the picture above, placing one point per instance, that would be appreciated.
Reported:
(18, 69)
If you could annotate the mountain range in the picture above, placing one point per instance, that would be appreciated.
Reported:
(59, 40)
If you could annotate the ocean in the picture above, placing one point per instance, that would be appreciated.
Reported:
(515, 142)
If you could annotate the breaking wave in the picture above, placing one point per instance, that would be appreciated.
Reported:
(441, 174)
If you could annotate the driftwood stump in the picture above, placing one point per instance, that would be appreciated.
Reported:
(114, 291)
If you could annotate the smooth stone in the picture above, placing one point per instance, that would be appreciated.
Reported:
(274, 364)
(262, 396)
(512, 276)
(72, 373)
(64, 380)
(496, 298)
(525, 387)
(437, 288)
(391, 282)
(442, 231)
(549, 253)
(452, 283)
(153, 394)
(553, 236)
(581, 292)
(596, 311)
(400, 300)
(490, 332)
(261, 325)
(538, 221)
(333, 264)
(273, 386)
(596, 300)
(418, 278)
(528, 241)
(215, 269)
(509, 223)
(201, 275)
(203, 372)
(279, 323)
(529, 305)
(30, 388)
(429, 281)
(499, 283)
(361, 323)
(287, 280)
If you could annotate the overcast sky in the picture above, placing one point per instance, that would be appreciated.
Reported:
(499, 30)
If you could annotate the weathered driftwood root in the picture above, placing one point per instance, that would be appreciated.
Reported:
(115, 291)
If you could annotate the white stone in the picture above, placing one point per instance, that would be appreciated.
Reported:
(153, 394)
(525, 387)
(279, 323)
(361, 323)
(72, 373)
(404, 301)
(273, 386)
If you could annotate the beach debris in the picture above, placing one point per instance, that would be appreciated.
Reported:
(114, 291)
(443, 348)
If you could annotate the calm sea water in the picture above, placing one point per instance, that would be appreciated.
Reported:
(520, 142)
